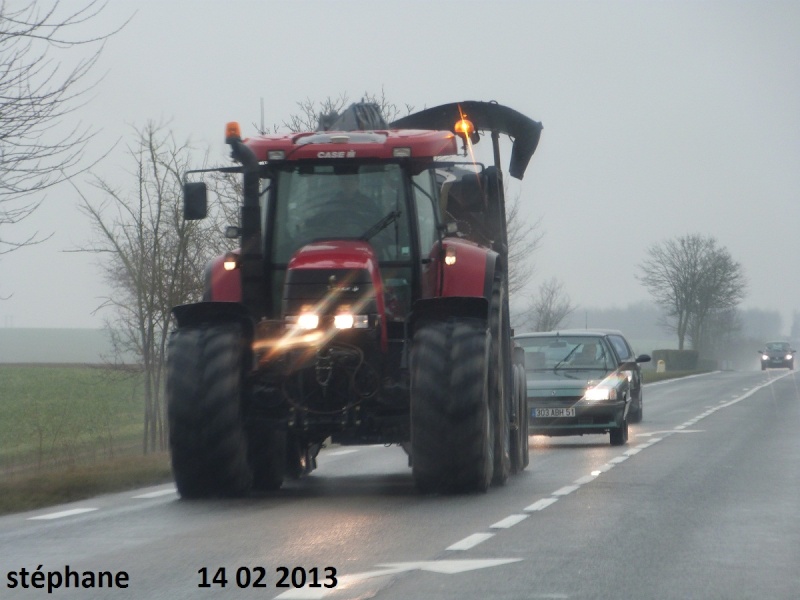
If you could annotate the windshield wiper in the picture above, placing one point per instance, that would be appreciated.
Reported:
(380, 225)
(565, 359)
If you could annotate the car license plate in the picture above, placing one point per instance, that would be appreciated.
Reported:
(553, 412)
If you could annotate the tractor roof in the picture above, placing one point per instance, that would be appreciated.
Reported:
(386, 144)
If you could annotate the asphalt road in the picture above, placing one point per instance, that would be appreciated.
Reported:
(702, 503)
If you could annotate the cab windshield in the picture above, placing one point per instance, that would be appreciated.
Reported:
(325, 201)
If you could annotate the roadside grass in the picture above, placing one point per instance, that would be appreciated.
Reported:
(69, 432)
(651, 376)
(32, 490)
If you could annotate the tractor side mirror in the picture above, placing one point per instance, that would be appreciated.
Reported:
(449, 228)
(466, 195)
(195, 201)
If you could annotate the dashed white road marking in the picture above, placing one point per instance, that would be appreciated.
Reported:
(157, 494)
(61, 514)
(566, 490)
(509, 521)
(586, 479)
(470, 541)
(540, 504)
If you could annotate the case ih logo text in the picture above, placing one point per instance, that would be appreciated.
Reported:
(340, 154)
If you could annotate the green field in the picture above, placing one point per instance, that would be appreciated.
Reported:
(53, 415)
(69, 432)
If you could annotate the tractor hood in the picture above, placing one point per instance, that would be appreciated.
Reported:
(333, 276)
(335, 254)
(485, 116)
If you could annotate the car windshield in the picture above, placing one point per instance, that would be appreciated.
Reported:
(324, 201)
(566, 353)
(778, 346)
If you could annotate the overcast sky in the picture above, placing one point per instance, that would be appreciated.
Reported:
(660, 119)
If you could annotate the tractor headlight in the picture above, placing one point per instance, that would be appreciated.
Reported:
(307, 321)
(310, 320)
(343, 321)
(350, 321)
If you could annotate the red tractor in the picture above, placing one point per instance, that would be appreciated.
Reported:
(367, 304)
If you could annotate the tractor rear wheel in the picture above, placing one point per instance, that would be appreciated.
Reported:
(204, 409)
(452, 445)
(499, 401)
(520, 452)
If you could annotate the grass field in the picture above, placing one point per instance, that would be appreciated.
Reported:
(67, 415)
(69, 432)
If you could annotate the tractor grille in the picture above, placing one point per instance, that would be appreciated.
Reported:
(327, 290)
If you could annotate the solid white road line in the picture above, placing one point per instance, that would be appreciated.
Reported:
(157, 494)
(61, 514)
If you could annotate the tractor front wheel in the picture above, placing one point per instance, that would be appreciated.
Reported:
(452, 434)
(204, 408)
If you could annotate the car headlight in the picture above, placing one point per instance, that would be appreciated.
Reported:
(600, 393)
(788, 357)
(765, 357)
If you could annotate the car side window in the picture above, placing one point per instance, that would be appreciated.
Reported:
(621, 347)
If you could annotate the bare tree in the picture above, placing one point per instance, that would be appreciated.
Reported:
(692, 278)
(38, 91)
(550, 306)
(311, 111)
(524, 239)
(154, 259)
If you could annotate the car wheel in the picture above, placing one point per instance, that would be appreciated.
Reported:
(637, 410)
(619, 435)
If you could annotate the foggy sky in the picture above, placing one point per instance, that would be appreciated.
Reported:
(660, 119)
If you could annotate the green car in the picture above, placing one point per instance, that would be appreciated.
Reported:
(582, 381)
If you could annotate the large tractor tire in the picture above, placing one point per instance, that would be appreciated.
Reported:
(204, 408)
(520, 452)
(452, 445)
(500, 383)
(267, 451)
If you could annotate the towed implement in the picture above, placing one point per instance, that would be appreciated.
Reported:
(367, 304)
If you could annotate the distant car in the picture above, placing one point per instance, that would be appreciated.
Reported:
(777, 355)
(582, 381)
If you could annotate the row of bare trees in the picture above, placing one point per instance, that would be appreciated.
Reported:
(153, 259)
